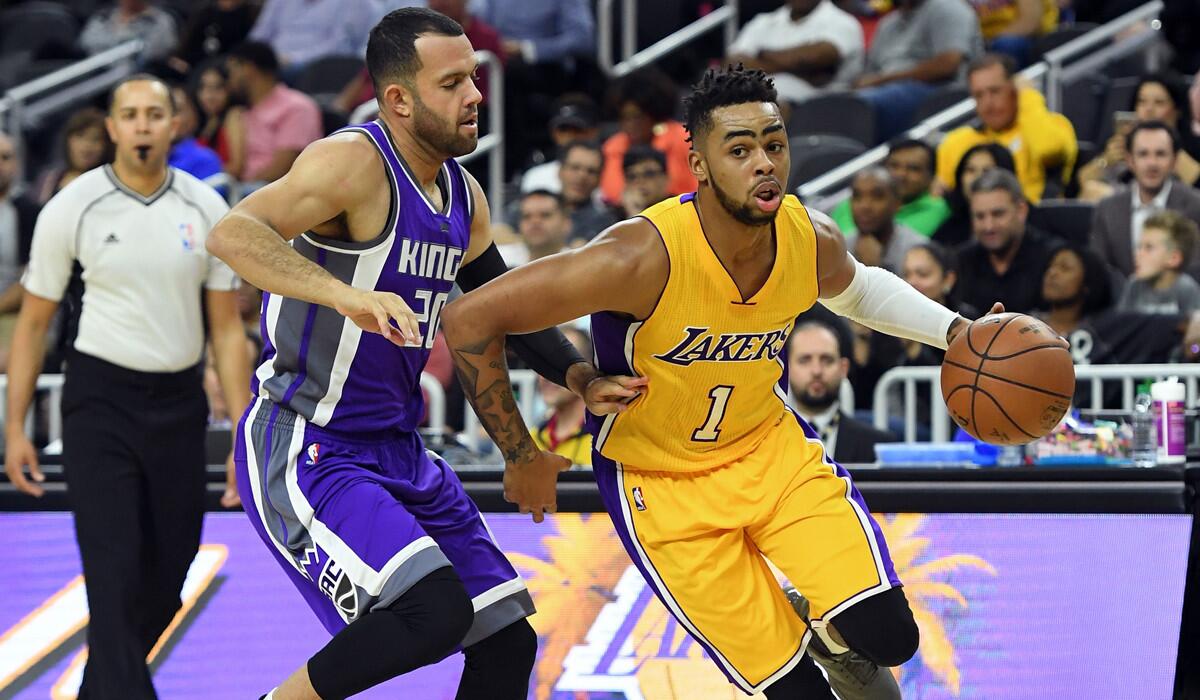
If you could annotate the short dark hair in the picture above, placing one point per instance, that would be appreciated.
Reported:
(1097, 289)
(651, 90)
(392, 46)
(258, 54)
(988, 60)
(997, 180)
(641, 153)
(943, 256)
(1182, 232)
(908, 144)
(558, 200)
(808, 323)
(1000, 154)
(581, 143)
(881, 174)
(723, 87)
(1152, 125)
(138, 78)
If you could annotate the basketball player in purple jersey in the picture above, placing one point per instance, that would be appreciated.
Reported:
(372, 227)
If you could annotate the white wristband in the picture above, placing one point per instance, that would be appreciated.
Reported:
(882, 301)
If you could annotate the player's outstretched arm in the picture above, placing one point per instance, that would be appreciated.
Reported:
(326, 182)
(874, 296)
(623, 271)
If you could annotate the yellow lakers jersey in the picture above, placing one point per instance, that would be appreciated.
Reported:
(715, 361)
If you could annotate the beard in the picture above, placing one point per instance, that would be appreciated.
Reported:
(742, 212)
(433, 130)
(819, 402)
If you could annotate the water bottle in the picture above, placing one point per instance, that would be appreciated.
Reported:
(1145, 447)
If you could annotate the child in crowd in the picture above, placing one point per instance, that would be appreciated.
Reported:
(1159, 284)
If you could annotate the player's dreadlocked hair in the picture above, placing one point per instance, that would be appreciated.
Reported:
(722, 87)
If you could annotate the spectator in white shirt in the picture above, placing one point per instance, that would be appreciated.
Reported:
(806, 46)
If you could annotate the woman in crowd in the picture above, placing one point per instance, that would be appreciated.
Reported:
(85, 145)
(221, 122)
(1156, 97)
(957, 229)
(645, 103)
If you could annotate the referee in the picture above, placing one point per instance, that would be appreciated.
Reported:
(130, 239)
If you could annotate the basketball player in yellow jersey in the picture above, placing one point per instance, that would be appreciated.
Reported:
(706, 470)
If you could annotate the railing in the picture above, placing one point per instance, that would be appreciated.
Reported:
(1056, 58)
(909, 378)
(524, 383)
(1051, 72)
(19, 108)
(51, 383)
(435, 404)
(631, 58)
(492, 144)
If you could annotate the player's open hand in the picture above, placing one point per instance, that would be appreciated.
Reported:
(377, 312)
(19, 453)
(961, 324)
(533, 485)
(612, 393)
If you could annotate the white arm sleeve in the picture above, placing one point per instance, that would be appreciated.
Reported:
(882, 301)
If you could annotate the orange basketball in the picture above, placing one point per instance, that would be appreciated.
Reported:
(1008, 379)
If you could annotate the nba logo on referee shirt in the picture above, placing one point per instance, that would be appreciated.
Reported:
(638, 501)
(188, 235)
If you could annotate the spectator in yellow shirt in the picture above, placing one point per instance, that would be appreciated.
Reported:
(1010, 26)
(1040, 140)
(562, 431)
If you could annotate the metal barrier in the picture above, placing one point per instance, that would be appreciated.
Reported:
(435, 404)
(631, 58)
(1051, 73)
(492, 144)
(19, 108)
(50, 383)
(524, 383)
(1096, 375)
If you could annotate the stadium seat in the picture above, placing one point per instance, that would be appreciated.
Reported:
(328, 75)
(1118, 99)
(1081, 104)
(36, 26)
(838, 113)
(945, 97)
(1069, 219)
(815, 155)
(1060, 36)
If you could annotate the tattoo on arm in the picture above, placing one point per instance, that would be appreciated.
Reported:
(484, 375)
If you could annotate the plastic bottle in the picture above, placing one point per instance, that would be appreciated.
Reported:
(1171, 441)
(1144, 452)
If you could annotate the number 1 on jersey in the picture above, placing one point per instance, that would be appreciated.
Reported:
(711, 430)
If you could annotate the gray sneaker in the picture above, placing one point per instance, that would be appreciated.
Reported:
(851, 675)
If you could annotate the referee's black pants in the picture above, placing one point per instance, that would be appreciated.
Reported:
(133, 455)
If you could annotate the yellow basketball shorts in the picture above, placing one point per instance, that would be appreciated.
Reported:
(699, 541)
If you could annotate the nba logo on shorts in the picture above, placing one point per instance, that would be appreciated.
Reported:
(638, 501)
(314, 451)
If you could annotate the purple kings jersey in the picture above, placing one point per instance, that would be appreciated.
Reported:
(320, 364)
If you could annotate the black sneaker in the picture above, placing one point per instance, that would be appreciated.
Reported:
(851, 675)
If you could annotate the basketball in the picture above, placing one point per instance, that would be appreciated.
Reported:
(1008, 379)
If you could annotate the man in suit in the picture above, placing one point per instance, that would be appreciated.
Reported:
(816, 369)
(1117, 222)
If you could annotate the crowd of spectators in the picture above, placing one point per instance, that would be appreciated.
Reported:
(972, 216)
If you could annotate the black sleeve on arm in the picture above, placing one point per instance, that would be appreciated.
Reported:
(547, 352)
